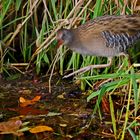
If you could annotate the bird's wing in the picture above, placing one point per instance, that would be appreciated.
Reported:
(118, 32)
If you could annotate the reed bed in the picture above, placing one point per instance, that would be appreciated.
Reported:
(27, 38)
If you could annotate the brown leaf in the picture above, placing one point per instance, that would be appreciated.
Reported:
(11, 127)
(31, 111)
(25, 102)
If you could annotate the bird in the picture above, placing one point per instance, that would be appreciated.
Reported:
(105, 36)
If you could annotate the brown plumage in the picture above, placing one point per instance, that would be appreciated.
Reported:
(104, 36)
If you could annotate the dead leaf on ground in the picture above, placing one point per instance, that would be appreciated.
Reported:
(11, 126)
(31, 111)
(40, 128)
(25, 102)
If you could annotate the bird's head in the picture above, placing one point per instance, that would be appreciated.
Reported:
(64, 36)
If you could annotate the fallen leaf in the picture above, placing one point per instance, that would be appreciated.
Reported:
(40, 128)
(22, 100)
(35, 99)
(25, 102)
(11, 126)
(31, 111)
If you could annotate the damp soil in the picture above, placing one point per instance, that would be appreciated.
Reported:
(70, 115)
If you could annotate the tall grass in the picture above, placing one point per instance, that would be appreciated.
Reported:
(27, 34)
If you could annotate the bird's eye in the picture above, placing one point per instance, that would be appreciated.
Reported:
(63, 36)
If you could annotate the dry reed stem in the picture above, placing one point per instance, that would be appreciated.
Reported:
(51, 37)
(53, 33)
(19, 26)
(72, 23)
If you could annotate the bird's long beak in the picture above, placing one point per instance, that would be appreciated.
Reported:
(59, 43)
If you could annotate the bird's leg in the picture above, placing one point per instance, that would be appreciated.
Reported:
(127, 57)
(90, 67)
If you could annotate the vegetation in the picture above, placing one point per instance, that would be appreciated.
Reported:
(27, 33)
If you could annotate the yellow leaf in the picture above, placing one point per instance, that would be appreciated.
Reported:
(40, 128)
(22, 100)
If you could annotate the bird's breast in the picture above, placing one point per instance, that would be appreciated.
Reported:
(94, 48)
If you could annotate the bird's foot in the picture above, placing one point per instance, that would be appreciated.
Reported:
(80, 71)
(87, 68)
